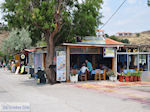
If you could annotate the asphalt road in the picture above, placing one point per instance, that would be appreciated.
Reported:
(63, 97)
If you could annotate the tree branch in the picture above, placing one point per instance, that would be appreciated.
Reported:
(58, 36)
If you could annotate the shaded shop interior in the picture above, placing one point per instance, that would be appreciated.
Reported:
(78, 53)
(94, 55)
(127, 58)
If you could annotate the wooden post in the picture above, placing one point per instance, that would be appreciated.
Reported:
(138, 66)
(44, 61)
(138, 56)
(68, 64)
(148, 61)
(114, 63)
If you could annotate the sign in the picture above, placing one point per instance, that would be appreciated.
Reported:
(15, 107)
(23, 56)
(61, 66)
(109, 52)
(132, 50)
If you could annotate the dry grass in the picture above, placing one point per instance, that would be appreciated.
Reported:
(3, 35)
(144, 38)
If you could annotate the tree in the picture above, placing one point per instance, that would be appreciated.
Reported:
(119, 40)
(114, 38)
(137, 34)
(106, 35)
(148, 2)
(17, 41)
(125, 41)
(1, 54)
(58, 20)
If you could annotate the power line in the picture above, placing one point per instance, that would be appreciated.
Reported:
(113, 14)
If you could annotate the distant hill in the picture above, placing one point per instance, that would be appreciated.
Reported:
(3, 35)
(138, 38)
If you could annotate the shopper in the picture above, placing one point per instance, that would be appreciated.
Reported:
(4, 65)
(83, 69)
(89, 66)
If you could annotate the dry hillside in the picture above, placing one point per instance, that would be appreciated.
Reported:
(143, 38)
(3, 35)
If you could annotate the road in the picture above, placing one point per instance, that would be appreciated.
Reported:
(66, 97)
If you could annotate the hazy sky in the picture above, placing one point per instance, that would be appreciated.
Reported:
(134, 16)
(1, 1)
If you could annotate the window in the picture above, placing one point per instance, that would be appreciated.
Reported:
(85, 50)
(143, 62)
(76, 50)
(133, 62)
(91, 50)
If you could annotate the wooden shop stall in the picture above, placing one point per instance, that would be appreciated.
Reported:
(99, 51)
(37, 58)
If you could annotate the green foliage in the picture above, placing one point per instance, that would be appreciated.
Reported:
(1, 54)
(87, 18)
(64, 18)
(114, 38)
(138, 34)
(122, 74)
(110, 73)
(106, 35)
(73, 72)
(41, 43)
(17, 40)
(148, 2)
(137, 74)
(122, 40)
(127, 74)
(3, 27)
(133, 74)
(57, 19)
(125, 41)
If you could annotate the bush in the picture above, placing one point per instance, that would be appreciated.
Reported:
(114, 38)
(122, 40)
(110, 73)
(125, 41)
(138, 34)
(127, 74)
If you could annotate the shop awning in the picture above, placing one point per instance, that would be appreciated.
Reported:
(30, 50)
(93, 45)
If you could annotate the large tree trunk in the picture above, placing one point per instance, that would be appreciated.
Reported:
(49, 59)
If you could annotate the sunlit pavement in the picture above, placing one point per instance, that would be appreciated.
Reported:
(78, 97)
(136, 91)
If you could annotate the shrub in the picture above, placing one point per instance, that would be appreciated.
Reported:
(110, 73)
(138, 34)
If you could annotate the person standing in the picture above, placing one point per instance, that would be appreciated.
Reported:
(4, 65)
(0, 64)
(89, 66)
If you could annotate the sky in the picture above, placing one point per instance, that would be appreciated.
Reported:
(134, 16)
(1, 1)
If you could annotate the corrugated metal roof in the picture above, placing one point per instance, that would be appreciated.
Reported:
(92, 45)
